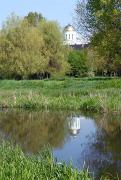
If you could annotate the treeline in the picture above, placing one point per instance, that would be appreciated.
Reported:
(31, 47)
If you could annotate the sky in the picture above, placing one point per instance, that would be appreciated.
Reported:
(60, 10)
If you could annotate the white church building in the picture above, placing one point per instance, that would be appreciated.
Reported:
(72, 38)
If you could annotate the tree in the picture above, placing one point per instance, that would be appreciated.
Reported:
(22, 51)
(34, 18)
(11, 22)
(103, 22)
(56, 51)
(31, 51)
(78, 62)
(96, 64)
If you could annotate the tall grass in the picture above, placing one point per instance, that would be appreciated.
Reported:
(15, 165)
(100, 95)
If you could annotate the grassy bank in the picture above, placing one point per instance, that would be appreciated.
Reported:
(102, 95)
(15, 165)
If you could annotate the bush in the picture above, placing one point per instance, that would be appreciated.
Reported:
(78, 62)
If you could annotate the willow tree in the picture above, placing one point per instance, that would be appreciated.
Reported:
(34, 18)
(56, 51)
(28, 49)
(22, 51)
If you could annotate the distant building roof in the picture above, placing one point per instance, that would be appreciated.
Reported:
(69, 27)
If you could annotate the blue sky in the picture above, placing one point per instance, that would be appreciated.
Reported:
(60, 10)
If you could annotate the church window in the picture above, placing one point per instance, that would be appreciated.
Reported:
(66, 36)
(69, 36)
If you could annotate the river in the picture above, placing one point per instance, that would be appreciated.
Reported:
(88, 140)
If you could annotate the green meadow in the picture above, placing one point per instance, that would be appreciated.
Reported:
(99, 94)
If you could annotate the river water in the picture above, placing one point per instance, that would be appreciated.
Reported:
(88, 140)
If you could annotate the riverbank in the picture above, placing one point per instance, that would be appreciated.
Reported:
(99, 95)
(14, 164)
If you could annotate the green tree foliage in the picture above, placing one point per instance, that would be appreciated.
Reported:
(11, 22)
(96, 64)
(78, 62)
(26, 50)
(103, 21)
(56, 52)
(22, 51)
(34, 18)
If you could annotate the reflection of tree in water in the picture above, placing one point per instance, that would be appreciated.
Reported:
(33, 130)
(111, 133)
(105, 152)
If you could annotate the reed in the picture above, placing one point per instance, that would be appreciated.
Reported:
(100, 95)
(15, 165)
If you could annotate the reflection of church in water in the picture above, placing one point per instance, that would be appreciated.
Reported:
(74, 126)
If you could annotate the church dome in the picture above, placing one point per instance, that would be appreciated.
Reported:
(71, 37)
(69, 28)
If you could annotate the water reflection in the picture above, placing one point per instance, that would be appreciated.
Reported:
(104, 156)
(33, 130)
(97, 141)
(74, 125)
